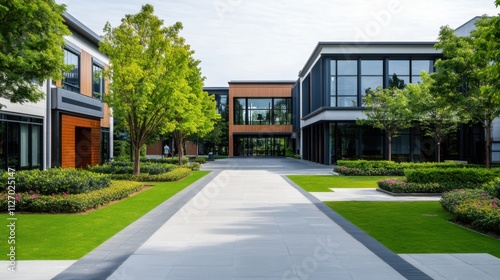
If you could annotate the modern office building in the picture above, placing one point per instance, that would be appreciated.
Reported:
(72, 126)
(260, 118)
(331, 88)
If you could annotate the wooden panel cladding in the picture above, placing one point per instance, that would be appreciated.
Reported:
(260, 90)
(106, 120)
(155, 149)
(85, 73)
(80, 141)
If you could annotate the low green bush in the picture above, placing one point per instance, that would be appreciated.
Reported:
(388, 168)
(474, 207)
(58, 181)
(170, 160)
(400, 186)
(120, 167)
(70, 203)
(201, 160)
(174, 175)
(194, 166)
(451, 178)
(493, 187)
(351, 171)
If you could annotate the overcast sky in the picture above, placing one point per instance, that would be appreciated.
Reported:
(271, 40)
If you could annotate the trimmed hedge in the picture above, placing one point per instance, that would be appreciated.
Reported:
(389, 168)
(451, 178)
(171, 176)
(351, 171)
(71, 203)
(170, 160)
(400, 186)
(59, 181)
(125, 167)
(474, 207)
(200, 160)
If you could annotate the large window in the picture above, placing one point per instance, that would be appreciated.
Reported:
(262, 111)
(347, 83)
(399, 73)
(372, 75)
(72, 78)
(260, 146)
(418, 66)
(20, 142)
(97, 81)
(105, 155)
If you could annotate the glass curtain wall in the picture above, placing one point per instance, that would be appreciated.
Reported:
(260, 145)
(263, 111)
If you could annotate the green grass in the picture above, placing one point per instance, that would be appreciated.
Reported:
(71, 236)
(414, 227)
(316, 183)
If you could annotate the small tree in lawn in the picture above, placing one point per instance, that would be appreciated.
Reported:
(387, 109)
(193, 111)
(468, 76)
(436, 116)
(148, 66)
(31, 47)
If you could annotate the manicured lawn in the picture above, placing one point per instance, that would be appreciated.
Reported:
(414, 227)
(315, 183)
(71, 236)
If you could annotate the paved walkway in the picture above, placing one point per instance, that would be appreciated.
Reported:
(246, 221)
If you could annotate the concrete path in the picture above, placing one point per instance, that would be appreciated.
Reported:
(246, 221)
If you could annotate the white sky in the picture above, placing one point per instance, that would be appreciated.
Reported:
(271, 40)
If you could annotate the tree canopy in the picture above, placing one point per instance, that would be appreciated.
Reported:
(156, 85)
(31, 47)
(387, 109)
(468, 75)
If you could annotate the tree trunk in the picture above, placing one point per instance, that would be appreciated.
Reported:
(439, 150)
(389, 137)
(488, 145)
(137, 159)
(180, 149)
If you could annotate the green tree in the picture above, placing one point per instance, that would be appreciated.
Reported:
(147, 72)
(436, 116)
(193, 111)
(31, 47)
(468, 75)
(387, 109)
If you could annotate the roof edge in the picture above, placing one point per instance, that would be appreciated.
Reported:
(80, 28)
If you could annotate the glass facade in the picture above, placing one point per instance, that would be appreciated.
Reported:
(20, 142)
(71, 79)
(351, 80)
(260, 145)
(105, 155)
(263, 111)
(97, 81)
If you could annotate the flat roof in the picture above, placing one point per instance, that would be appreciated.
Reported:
(260, 82)
(317, 50)
(78, 27)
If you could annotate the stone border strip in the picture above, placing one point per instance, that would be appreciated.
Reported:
(395, 261)
(407, 194)
(105, 259)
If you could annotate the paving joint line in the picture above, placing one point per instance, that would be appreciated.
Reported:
(104, 260)
(399, 264)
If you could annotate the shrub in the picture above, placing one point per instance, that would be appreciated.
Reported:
(172, 176)
(475, 208)
(493, 187)
(128, 168)
(71, 203)
(400, 186)
(350, 171)
(58, 181)
(194, 166)
(201, 160)
(171, 160)
(451, 178)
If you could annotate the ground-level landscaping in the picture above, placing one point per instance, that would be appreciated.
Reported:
(323, 183)
(415, 227)
(71, 236)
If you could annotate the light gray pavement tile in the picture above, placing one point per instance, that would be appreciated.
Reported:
(31, 270)
(456, 266)
(366, 194)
